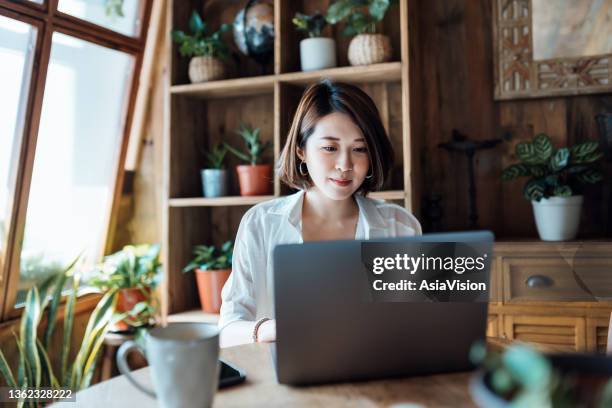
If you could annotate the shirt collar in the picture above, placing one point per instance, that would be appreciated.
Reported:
(369, 214)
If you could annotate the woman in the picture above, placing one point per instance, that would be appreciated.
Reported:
(337, 151)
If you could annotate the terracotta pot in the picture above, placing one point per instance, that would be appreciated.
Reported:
(255, 179)
(367, 49)
(210, 284)
(127, 299)
(202, 69)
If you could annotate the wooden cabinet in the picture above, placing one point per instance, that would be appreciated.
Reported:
(552, 294)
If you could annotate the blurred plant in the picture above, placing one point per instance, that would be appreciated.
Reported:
(134, 267)
(254, 145)
(113, 8)
(554, 172)
(35, 267)
(312, 25)
(526, 378)
(361, 15)
(216, 156)
(35, 369)
(199, 44)
(209, 258)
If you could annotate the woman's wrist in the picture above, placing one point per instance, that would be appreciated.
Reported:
(267, 332)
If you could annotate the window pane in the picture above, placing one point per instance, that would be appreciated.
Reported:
(122, 16)
(17, 42)
(74, 165)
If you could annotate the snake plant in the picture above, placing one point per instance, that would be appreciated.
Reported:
(555, 172)
(35, 368)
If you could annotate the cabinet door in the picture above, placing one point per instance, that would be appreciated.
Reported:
(597, 334)
(551, 332)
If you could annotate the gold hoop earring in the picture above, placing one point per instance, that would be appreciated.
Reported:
(302, 172)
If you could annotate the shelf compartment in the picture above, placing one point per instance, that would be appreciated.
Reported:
(218, 201)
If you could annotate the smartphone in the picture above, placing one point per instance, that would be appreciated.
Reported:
(230, 375)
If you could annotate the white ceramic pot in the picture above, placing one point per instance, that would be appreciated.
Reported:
(317, 53)
(557, 218)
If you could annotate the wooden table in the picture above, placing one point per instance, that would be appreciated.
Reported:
(261, 389)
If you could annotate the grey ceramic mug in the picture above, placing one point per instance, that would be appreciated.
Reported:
(184, 364)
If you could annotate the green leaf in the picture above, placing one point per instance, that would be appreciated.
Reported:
(47, 368)
(534, 190)
(584, 149)
(562, 191)
(97, 324)
(543, 147)
(590, 176)
(7, 374)
(378, 8)
(238, 153)
(29, 324)
(514, 171)
(560, 159)
(67, 335)
(527, 153)
(589, 158)
(338, 11)
(196, 25)
(537, 170)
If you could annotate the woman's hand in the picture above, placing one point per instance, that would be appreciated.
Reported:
(267, 332)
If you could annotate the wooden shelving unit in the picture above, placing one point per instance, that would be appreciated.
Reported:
(200, 115)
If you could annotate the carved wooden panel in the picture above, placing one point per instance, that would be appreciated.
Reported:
(517, 75)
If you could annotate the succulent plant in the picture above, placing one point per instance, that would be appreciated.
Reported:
(254, 145)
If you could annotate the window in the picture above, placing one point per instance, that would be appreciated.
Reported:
(67, 92)
(117, 15)
(17, 42)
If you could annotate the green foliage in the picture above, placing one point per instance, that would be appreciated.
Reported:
(526, 378)
(35, 368)
(199, 43)
(254, 145)
(361, 15)
(113, 8)
(211, 258)
(554, 172)
(132, 267)
(312, 25)
(216, 156)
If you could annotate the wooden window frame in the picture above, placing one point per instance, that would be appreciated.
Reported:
(47, 19)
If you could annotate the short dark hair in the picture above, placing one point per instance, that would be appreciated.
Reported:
(327, 97)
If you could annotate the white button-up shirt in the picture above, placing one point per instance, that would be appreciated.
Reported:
(247, 293)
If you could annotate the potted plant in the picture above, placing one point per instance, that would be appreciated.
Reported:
(316, 51)
(520, 376)
(207, 51)
(556, 180)
(367, 47)
(254, 179)
(133, 273)
(212, 269)
(35, 368)
(214, 177)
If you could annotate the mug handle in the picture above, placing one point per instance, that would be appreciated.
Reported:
(124, 368)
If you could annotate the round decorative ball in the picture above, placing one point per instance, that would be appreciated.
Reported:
(254, 35)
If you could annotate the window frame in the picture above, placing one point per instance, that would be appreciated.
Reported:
(47, 19)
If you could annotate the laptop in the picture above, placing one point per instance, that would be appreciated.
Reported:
(327, 331)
